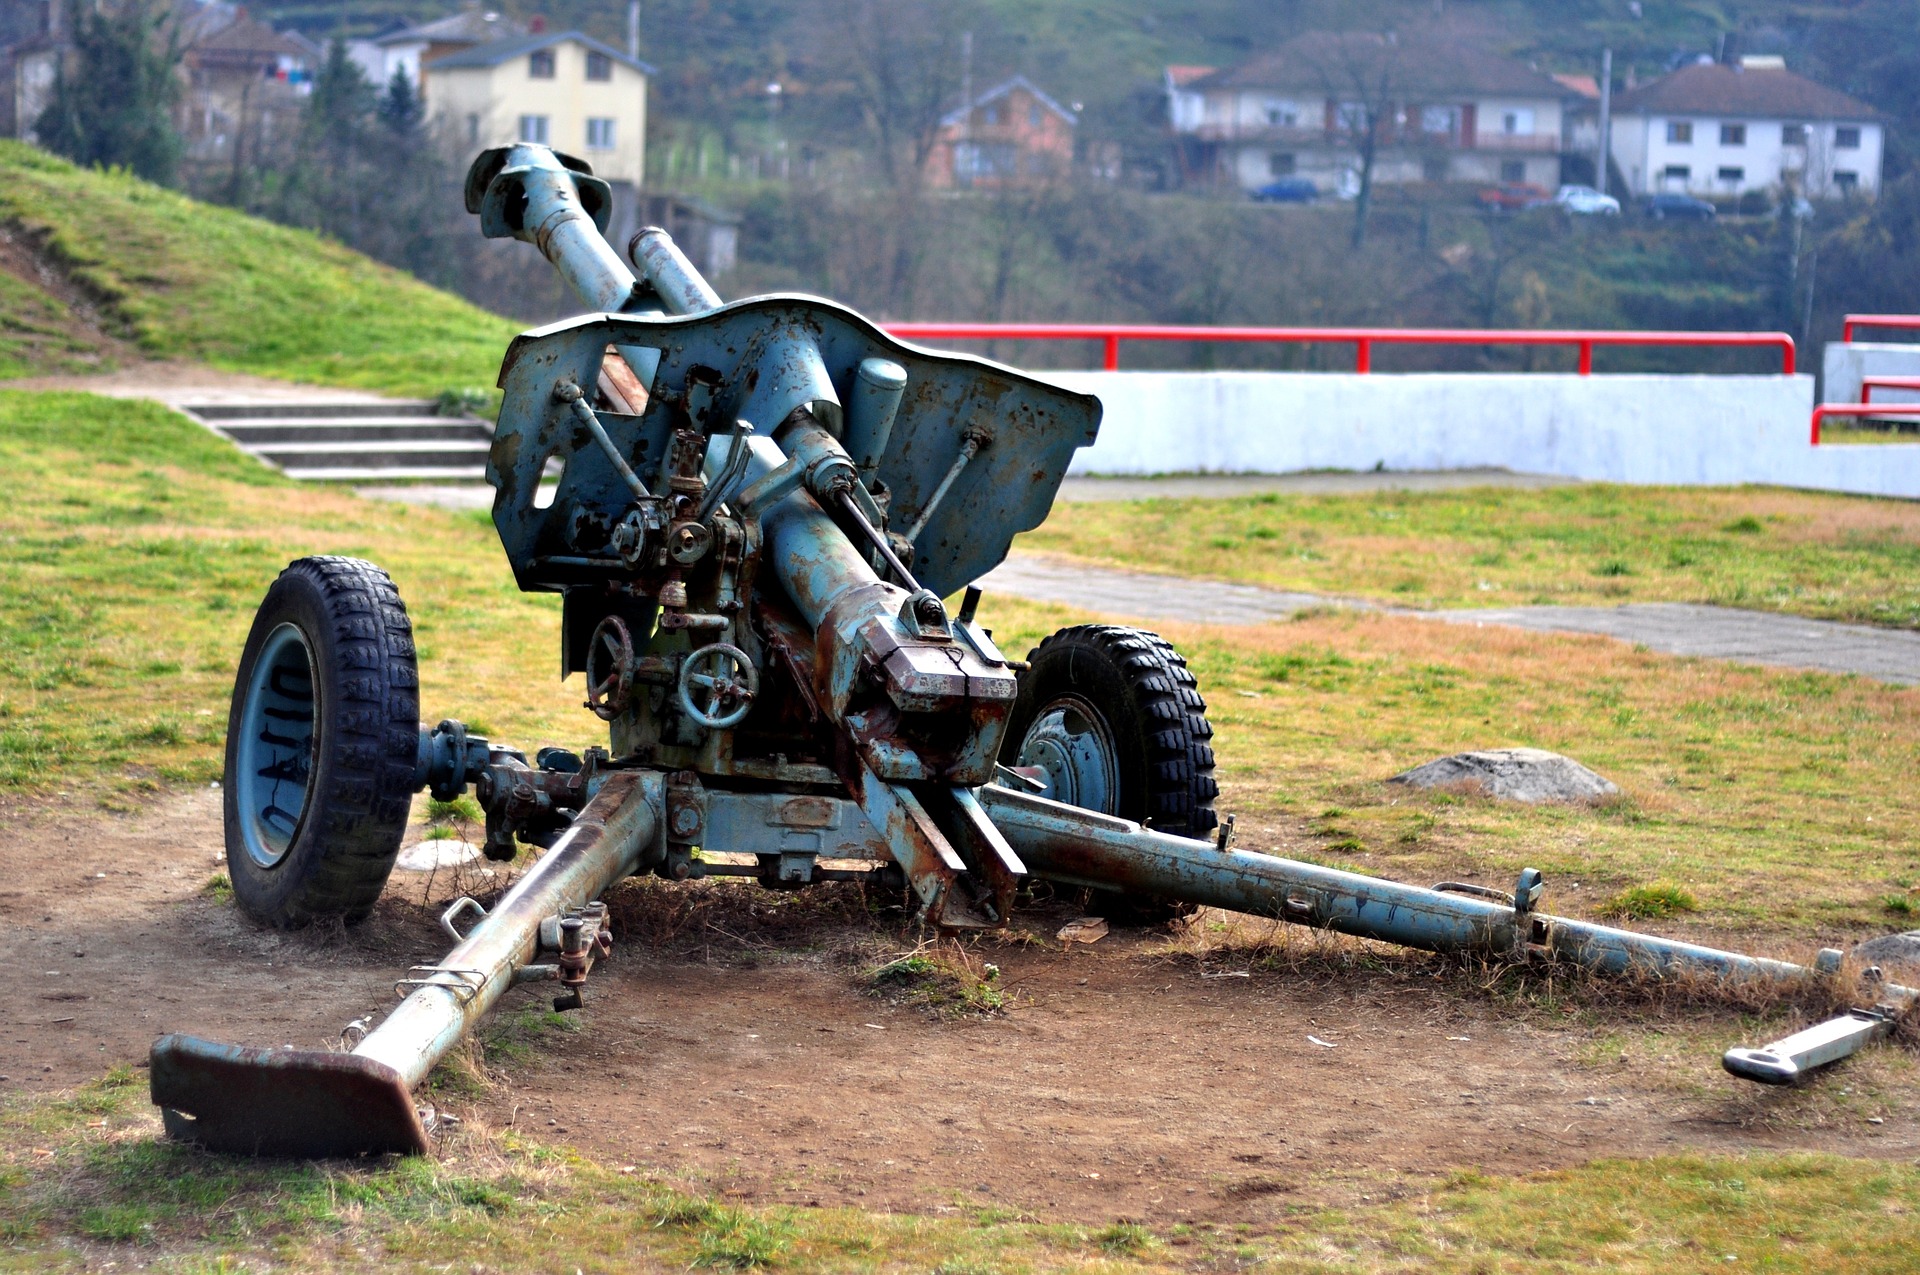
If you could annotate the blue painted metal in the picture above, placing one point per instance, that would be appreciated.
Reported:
(1071, 744)
(776, 355)
(1064, 843)
(273, 770)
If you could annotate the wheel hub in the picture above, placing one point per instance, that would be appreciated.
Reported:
(1072, 744)
(275, 770)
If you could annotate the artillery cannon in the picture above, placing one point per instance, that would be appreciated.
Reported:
(759, 510)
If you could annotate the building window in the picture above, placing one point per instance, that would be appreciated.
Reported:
(1793, 134)
(1846, 182)
(1513, 170)
(1734, 175)
(1676, 173)
(599, 135)
(991, 115)
(1517, 123)
(1733, 134)
(1433, 168)
(1680, 132)
(599, 66)
(533, 128)
(1281, 115)
(1281, 164)
(540, 64)
(1440, 121)
(1846, 139)
(1033, 116)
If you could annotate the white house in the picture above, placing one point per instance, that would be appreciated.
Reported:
(1449, 111)
(406, 46)
(560, 89)
(1718, 130)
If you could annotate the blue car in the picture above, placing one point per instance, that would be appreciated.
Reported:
(1670, 206)
(1288, 190)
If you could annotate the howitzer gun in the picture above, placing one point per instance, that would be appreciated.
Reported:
(753, 513)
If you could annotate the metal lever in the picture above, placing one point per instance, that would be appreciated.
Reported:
(570, 394)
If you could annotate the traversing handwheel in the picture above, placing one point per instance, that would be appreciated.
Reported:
(609, 668)
(717, 685)
(322, 738)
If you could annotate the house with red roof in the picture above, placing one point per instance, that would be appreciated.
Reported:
(1719, 130)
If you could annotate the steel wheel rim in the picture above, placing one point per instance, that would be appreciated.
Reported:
(274, 759)
(1072, 744)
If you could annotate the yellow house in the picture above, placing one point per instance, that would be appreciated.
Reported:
(560, 89)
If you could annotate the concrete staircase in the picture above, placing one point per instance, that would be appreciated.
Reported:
(354, 441)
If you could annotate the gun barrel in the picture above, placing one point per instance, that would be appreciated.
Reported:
(681, 287)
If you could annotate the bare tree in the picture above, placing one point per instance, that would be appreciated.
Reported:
(900, 59)
(1360, 73)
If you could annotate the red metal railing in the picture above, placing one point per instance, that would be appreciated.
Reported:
(1110, 335)
(1886, 383)
(1852, 321)
(1825, 410)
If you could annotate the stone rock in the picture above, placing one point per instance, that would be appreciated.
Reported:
(1892, 950)
(431, 856)
(1517, 774)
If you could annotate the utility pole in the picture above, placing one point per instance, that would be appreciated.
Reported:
(633, 29)
(965, 153)
(1606, 121)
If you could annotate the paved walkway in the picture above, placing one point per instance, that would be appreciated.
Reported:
(1676, 628)
(1223, 486)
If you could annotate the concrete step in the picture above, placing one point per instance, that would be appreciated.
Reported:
(412, 408)
(254, 432)
(369, 457)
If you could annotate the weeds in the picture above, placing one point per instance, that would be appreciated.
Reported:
(1650, 902)
(944, 978)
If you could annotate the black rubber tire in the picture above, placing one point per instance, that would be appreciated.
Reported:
(1158, 723)
(365, 738)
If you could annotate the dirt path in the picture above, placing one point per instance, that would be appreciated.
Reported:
(1126, 1081)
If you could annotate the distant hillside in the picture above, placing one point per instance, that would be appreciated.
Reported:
(96, 264)
(716, 56)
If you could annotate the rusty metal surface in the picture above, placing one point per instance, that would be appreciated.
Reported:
(282, 1102)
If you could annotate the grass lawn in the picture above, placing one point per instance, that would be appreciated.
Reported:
(1775, 802)
(1832, 557)
(188, 280)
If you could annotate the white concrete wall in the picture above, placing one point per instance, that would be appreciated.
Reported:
(1614, 428)
(1844, 364)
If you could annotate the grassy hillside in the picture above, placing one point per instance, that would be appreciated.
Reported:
(186, 280)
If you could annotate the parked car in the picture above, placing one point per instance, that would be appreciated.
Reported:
(1514, 196)
(1288, 190)
(1585, 201)
(1672, 206)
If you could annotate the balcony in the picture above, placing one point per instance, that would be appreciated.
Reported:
(1296, 135)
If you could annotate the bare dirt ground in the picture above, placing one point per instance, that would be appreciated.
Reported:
(1127, 1080)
